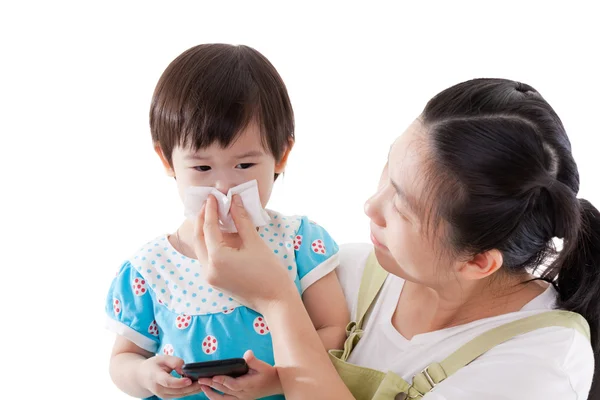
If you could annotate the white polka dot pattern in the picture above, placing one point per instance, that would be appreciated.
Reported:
(183, 321)
(153, 329)
(168, 350)
(319, 247)
(260, 326)
(176, 280)
(117, 306)
(297, 242)
(138, 286)
(210, 345)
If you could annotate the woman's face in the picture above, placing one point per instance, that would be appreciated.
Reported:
(396, 211)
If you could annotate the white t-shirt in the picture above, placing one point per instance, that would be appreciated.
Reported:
(548, 363)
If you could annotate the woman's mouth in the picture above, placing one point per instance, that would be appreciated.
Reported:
(376, 242)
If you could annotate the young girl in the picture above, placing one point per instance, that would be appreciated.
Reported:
(220, 117)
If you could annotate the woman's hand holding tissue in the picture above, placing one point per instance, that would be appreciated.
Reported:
(245, 268)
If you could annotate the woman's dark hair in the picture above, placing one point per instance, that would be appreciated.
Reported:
(211, 92)
(502, 158)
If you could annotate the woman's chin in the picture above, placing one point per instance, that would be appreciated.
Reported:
(389, 263)
(386, 260)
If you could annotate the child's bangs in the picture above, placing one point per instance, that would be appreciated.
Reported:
(211, 93)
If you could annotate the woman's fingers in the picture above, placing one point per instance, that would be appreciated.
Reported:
(213, 238)
(243, 222)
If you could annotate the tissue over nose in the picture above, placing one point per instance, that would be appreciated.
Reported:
(195, 196)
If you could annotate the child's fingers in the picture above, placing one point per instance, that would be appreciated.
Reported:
(205, 381)
(231, 384)
(212, 395)
(254, 363)
(223, 388)
(171, 362)
(250, 358)
(169, 381)
(174, 393)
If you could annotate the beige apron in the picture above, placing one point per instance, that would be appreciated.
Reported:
(369, 384)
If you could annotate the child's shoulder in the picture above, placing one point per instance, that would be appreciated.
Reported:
(297, 224)
(149, 253)
(159, 246)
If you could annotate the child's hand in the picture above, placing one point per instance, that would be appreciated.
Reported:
(155, 376)
(261, 381)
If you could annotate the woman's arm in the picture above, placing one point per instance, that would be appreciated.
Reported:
(304, 368)
(252, 274)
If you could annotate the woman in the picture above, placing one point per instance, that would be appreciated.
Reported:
(463, 222)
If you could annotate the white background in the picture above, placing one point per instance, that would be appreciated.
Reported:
(82, 189)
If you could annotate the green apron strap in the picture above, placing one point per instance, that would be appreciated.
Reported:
(368, 384)
(370, 285)
(437, 372)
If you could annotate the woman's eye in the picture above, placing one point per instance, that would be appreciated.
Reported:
(244, 165)
(202, 168)
(396, 208)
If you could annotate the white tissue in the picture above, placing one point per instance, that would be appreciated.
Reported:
(195, 196)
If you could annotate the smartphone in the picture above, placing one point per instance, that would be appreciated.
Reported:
(233, 367)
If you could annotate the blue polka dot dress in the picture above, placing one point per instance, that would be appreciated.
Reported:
(159, 301)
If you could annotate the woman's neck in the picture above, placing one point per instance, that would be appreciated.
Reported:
(422, 309)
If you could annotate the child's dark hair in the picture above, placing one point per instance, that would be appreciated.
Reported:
(502, 162)
(211, 92)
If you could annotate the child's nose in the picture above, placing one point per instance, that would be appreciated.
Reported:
(223, 185)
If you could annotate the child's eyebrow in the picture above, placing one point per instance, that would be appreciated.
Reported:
(194, 157)
(251, 154)
(197, 157)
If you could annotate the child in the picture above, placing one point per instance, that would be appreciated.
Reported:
(220, 117)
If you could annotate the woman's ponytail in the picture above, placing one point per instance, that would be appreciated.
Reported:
(576, 271)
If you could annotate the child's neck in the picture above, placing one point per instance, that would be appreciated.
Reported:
(183, 239)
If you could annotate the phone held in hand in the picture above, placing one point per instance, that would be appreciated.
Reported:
(233, 367)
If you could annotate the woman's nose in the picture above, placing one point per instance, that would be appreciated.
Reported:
(373, 208)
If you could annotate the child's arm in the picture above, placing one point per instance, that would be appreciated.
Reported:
(139, 373)
(326, 306)
(125, 362)
(133, 367)
(316, 259)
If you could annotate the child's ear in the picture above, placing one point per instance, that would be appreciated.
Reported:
(280, 166)
(168, 169)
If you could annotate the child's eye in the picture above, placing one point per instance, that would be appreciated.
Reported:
(245, 165)
(202, 168)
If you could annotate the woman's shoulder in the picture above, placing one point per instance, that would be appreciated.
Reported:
(352, 258)
(538, 364)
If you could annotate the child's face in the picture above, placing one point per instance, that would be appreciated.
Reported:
(223, 168)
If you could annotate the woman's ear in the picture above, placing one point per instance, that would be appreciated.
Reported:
(168, 169)
(482, 265)
(281, 164)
